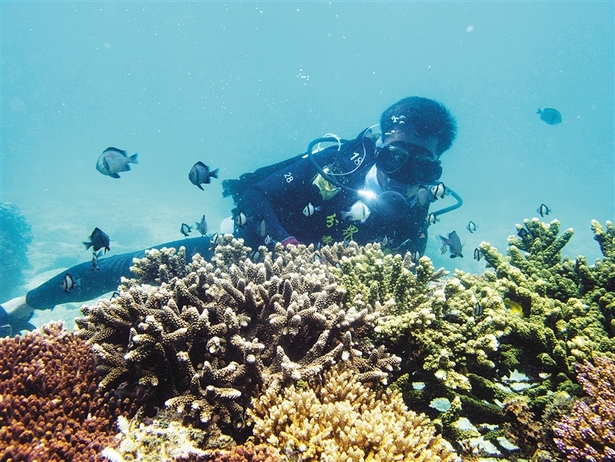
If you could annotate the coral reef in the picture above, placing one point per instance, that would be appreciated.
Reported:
(152, 440)
(247, 452)
(489, 357)
(478, 340)
(207, 341)
(15, 236)
(337, 418)
(588, 434)
(50, 408)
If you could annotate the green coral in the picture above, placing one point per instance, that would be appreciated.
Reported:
(533, 315)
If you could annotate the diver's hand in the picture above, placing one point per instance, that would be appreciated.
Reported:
(15, 316)
(290, 240)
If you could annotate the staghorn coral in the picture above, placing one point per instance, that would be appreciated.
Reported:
(367, 272)
(337, 418)
(588, 433)
(160, 266)
(465, 338)
(206, 341)
(50, 408)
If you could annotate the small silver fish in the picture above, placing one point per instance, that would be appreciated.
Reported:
(415, 256)
(200, 174)
(95, 256)
(68, 283)
(98, 240)
(477, 254)
(358, 212)
(438, 191)
(550, 115)
(454, 244)
(241, 219)
(185, 229)
(254, 255)
(262, 229)
(432, 218)
(114, 160)
(471, 226)
(543, 210)
(524, 233)
(310, 210)
(202, 226)
(478, 309)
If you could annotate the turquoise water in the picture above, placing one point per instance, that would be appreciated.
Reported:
(239, 86)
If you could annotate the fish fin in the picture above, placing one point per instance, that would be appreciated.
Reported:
(87, 245)
(133, 158)
(114, 175)
(214, 173)
(200, 187)
(202, 165)
(539, 111)
(119, 151)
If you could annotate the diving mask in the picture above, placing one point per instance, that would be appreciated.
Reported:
(408, 163)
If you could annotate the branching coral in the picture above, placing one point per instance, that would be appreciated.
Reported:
(337, 418)
(588, 434)
(208, 340)
(465, 337)
(50, 408)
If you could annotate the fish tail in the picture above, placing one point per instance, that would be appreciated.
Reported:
(133, 158)
(87, 245)
(214, 173)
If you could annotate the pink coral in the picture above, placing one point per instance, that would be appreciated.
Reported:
(588, 434)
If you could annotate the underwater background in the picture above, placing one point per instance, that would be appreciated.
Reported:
(242, 85)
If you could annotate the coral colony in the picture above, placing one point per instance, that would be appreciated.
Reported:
(341, 353)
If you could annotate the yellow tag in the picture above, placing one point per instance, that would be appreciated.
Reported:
(327, 190)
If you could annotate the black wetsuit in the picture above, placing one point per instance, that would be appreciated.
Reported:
(297, 201)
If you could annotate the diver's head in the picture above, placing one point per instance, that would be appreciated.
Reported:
(423, 119)
(415, 133)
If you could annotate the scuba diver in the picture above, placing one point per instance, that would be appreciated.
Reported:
(375, 188)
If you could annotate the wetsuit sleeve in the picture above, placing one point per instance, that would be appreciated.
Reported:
(262, 202)
(94, 283)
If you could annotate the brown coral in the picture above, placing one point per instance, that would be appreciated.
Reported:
(338, 418)
(248, 452)
(50, 408)
(208, 340)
